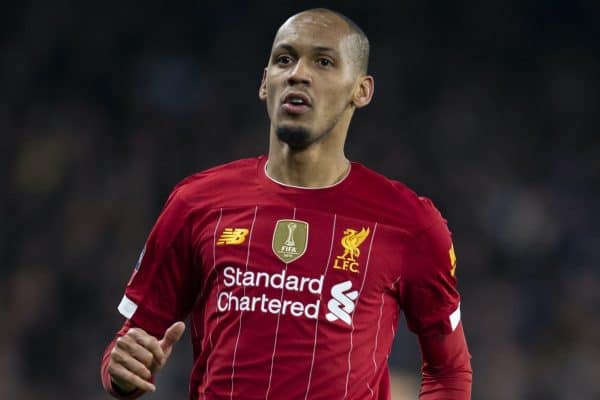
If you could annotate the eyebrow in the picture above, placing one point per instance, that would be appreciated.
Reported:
(285, 47)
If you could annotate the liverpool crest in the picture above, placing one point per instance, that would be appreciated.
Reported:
(351, 241)
(289, 239)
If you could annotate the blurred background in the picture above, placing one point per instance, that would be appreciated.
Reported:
(489, 108)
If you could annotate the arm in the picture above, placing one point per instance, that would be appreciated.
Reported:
(446, 372)
(161, 291)
(431, 302)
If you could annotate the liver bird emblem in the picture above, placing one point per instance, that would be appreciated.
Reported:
(351, 240)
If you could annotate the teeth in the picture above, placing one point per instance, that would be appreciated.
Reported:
(297, 101)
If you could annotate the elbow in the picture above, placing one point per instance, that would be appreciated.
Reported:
(452, 381)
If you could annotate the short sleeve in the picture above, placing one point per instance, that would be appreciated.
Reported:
(428, 293)
(164, 284)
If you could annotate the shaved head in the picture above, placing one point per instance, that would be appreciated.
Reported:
(358, 41)
(315, 78)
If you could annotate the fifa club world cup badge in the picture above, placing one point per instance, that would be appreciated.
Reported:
(290, 239)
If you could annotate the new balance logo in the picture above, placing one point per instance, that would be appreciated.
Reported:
(342, 303)
(232, 236)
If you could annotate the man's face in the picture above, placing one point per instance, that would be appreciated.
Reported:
(310, 77)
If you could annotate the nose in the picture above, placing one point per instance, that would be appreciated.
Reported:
(300, 73)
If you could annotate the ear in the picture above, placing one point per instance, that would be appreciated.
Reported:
(363, 92)
(262, 90)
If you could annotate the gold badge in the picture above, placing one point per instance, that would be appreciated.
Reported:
(289, 239)
(351, 241)
(232, 236)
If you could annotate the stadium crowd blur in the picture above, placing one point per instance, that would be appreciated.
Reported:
(489, 108)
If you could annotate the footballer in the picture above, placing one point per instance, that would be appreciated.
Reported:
(294, 268)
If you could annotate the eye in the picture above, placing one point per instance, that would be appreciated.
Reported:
(283, 59)
(324, 62)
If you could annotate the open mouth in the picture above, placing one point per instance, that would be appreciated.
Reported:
(296, 103)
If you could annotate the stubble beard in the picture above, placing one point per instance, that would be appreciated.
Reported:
(300, 138)
(297, 137)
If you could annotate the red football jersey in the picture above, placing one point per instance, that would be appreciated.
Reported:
(293, 293)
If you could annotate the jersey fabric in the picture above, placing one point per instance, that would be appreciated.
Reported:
(293, 293)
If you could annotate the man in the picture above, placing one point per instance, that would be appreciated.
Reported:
(295, 267)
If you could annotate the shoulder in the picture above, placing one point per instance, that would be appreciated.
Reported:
(398, 204)
(231, 171)
(220, 181)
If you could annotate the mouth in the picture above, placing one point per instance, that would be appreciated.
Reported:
(296, 103)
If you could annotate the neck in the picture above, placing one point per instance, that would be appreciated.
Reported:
(319, 165)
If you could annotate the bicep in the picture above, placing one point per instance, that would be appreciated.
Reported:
(428, 292)
(164, 286)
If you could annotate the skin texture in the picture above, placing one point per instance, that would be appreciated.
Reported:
(137, 356)
(313, 54)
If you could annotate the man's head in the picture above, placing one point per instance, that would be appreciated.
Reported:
(316, 76)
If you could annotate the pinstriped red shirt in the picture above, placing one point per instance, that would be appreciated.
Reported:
(293, 293)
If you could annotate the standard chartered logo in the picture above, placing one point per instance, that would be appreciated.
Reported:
(234, 301)
(342, 303)
(339, 307)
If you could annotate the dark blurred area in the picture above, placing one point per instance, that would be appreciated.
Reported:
(489, 108)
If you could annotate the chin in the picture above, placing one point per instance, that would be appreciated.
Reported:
(296, 136)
